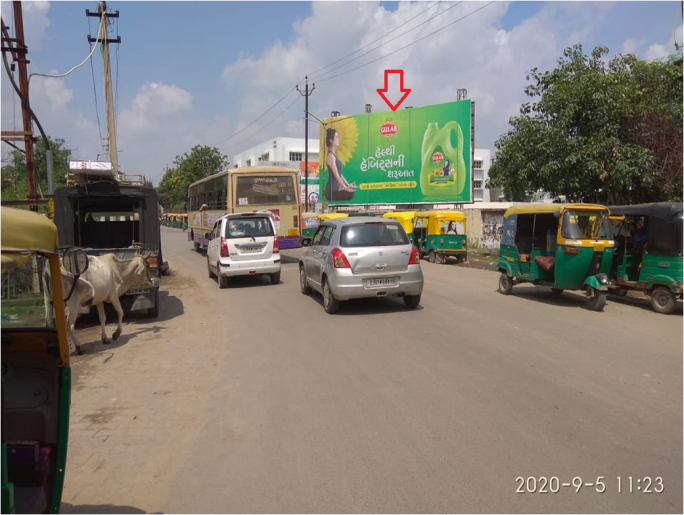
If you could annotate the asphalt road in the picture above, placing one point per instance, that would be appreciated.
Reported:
(253, 399)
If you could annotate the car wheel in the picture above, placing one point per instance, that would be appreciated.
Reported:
(431, 256)
(222, 280)
(209, 272)
(596, 300)
(505, 284)
(557, 291)
(330, 304)
(305, 288)
(663, 300)
(412, 301)
(275, 278)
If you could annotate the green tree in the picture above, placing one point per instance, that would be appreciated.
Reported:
(594, 132)
(201, 162)
(14, 177)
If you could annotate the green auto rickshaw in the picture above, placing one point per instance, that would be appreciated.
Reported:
(309, 224)
(562, 246)
(36, 374)
(185, 222)
(440, 235)
(648, 253)
(164, 220)
(405, 218)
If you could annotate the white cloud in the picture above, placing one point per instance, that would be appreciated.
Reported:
(630, 46)
(657, 51)
(36, 21)
(152, 106)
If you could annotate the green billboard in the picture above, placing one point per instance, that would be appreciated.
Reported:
(409, 156)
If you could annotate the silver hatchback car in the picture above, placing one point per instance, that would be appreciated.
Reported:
(361, 257)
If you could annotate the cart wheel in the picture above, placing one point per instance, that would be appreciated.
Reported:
(431, 256)
(557, 291)
(663, 300)
(505, 284)
(596, 300)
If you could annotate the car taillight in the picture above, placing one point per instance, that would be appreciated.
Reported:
(276, 246)
(339, 259)
(415, 257)
(224, 248)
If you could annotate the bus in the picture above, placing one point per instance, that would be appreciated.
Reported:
(245, 190)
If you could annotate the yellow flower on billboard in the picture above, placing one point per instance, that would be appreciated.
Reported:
(349, 136)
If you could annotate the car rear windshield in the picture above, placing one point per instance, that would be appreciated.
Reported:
(247, 227)
(374, 234)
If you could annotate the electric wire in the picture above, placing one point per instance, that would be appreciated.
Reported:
(387, 42)
(369, 44)
(410, 44)
(99, 31)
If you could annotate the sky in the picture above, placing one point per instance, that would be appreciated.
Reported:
(189, 73)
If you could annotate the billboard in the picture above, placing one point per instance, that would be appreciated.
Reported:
(408, 156)
(314, 193)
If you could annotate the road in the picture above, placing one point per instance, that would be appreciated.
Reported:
(253, 399)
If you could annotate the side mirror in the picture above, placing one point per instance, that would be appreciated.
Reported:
(207, 235)
(306, 242)
(75, 261)
(557, 214)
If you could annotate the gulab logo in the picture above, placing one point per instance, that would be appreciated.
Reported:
(437, 157)
(388, 129)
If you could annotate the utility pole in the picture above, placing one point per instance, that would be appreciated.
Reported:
(21, 51)
(306, 94)
(111, 128)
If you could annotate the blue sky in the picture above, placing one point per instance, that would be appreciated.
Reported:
(195, 72)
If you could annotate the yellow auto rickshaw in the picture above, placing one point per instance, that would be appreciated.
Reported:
(405, 218)
(309, 224)
(185, 222)
(440, 235)
(36, 374)
(164, 220)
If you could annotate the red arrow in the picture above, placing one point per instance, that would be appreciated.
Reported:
(401, 88)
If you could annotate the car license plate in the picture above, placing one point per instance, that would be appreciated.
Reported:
(375, 283)
(251, 249)
(137, 292)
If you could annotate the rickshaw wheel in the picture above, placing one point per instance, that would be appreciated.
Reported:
(557, 291)
(596, 300)
(431, 256)
(505, 284)
(663, 300)
(441, 259)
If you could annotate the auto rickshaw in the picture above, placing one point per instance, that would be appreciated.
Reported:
(441, 234)
(562, 246)
(648, 253)
(164, 220)
(309, 224)
(185, 222)
(405, 218)
(36, 374)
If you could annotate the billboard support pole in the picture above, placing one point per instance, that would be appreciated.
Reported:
(306, 141)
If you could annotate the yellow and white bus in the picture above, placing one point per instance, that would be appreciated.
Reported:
(246, 190)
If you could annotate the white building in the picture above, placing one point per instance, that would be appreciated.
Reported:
(277, 150)
(482, 161)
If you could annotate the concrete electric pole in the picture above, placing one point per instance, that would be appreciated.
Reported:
(111, 127)
(306, 94)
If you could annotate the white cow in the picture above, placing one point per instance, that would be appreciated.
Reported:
(106, 278)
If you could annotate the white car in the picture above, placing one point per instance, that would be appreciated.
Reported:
(243, 244)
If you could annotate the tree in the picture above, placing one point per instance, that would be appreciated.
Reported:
(201, 162)
(14, 176)
(595, 132)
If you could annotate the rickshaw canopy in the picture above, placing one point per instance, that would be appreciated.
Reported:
(668, 211)
(543, 208)
(25, 231)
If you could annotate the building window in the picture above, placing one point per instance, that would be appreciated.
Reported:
(477, 185)
(263, 157)
(296, 156)
(477, 164)
(249, 162)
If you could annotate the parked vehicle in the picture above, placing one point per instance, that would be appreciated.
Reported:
(406, 219)
(185, 222)
(113, 218)
(164, 220)
(359, 257)
(36, 372)
(648, 255)
(243, 244)
(562, 246)
(440, 235)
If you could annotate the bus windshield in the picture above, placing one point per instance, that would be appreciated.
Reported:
(264, 190)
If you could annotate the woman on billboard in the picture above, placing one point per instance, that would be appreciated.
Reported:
(336, 186)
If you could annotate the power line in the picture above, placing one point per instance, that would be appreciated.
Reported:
(387, 42)
(410, 44)
(259, 118)
(369, 44)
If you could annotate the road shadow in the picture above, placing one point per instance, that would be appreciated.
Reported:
(170, 307)
(370, 306)
(95, 346)
(288, 260)
(544, 295)
(249, 281)
(99, 508)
